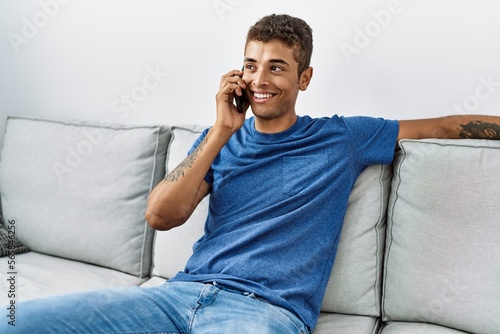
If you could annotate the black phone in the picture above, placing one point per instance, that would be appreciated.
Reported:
(241, 101)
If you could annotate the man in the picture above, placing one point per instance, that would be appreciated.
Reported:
(279, 186)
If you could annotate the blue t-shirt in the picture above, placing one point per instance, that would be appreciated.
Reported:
(277, 203)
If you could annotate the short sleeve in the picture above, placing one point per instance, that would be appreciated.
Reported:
(373, 140)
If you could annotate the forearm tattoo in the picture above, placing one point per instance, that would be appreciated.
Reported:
(175, 174)
(480, 130)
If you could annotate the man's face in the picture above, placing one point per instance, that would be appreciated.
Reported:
(271, 75)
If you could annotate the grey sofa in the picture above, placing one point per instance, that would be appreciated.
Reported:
(419, 251)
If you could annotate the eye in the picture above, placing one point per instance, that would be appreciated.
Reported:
(249, 66)
(275, 68)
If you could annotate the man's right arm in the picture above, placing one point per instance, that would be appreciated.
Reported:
(173, 200)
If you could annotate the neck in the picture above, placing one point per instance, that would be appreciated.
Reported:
(274, 125)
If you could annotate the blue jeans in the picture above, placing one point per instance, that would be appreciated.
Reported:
(174, 307)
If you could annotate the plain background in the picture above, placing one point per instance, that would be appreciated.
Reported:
(90, 60)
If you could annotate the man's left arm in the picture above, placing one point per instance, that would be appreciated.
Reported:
(451, 127)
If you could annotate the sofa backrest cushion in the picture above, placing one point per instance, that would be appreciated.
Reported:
(79, 191)
(442, 261)
(173, 248)
(355, 285)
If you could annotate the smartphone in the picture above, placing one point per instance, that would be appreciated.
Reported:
(241, 101)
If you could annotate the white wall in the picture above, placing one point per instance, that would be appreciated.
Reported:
(79, 59)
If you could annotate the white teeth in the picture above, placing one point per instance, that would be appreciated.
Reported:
(262, 96)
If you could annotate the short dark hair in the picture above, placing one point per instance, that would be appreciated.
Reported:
(292, 31)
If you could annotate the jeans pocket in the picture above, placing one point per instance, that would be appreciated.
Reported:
(294, 324)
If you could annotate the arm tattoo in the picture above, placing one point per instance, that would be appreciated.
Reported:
(174, 175)
(480, 130)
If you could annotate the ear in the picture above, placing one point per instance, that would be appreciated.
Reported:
(305, 78)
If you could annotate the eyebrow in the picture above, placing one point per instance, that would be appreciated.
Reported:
(271, 61)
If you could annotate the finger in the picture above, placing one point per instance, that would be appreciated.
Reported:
(231, 76)
(233, 84)
(238, 73)
(236, 79)
(237, 89)
(240, 85)
(229, 92)
(235, 73)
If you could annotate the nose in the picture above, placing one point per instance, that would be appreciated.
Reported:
(260, 78)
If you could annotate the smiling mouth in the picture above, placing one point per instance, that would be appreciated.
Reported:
(262, 96)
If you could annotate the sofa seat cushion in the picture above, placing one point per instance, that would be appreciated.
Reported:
(335, 323)
(40, 275)
(153, 281)
(416, 328)
(79, 190)
(443, 248)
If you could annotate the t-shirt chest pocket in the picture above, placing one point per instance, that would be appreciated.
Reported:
(302, 172)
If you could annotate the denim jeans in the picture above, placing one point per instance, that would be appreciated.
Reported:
(174, 307)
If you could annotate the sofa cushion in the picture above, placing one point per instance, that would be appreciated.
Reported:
(79, 190)
(153, 281)
(40, 275)
(173, 248)
(443, 248)
(334, 323)
(356, 280)
(416, 328)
